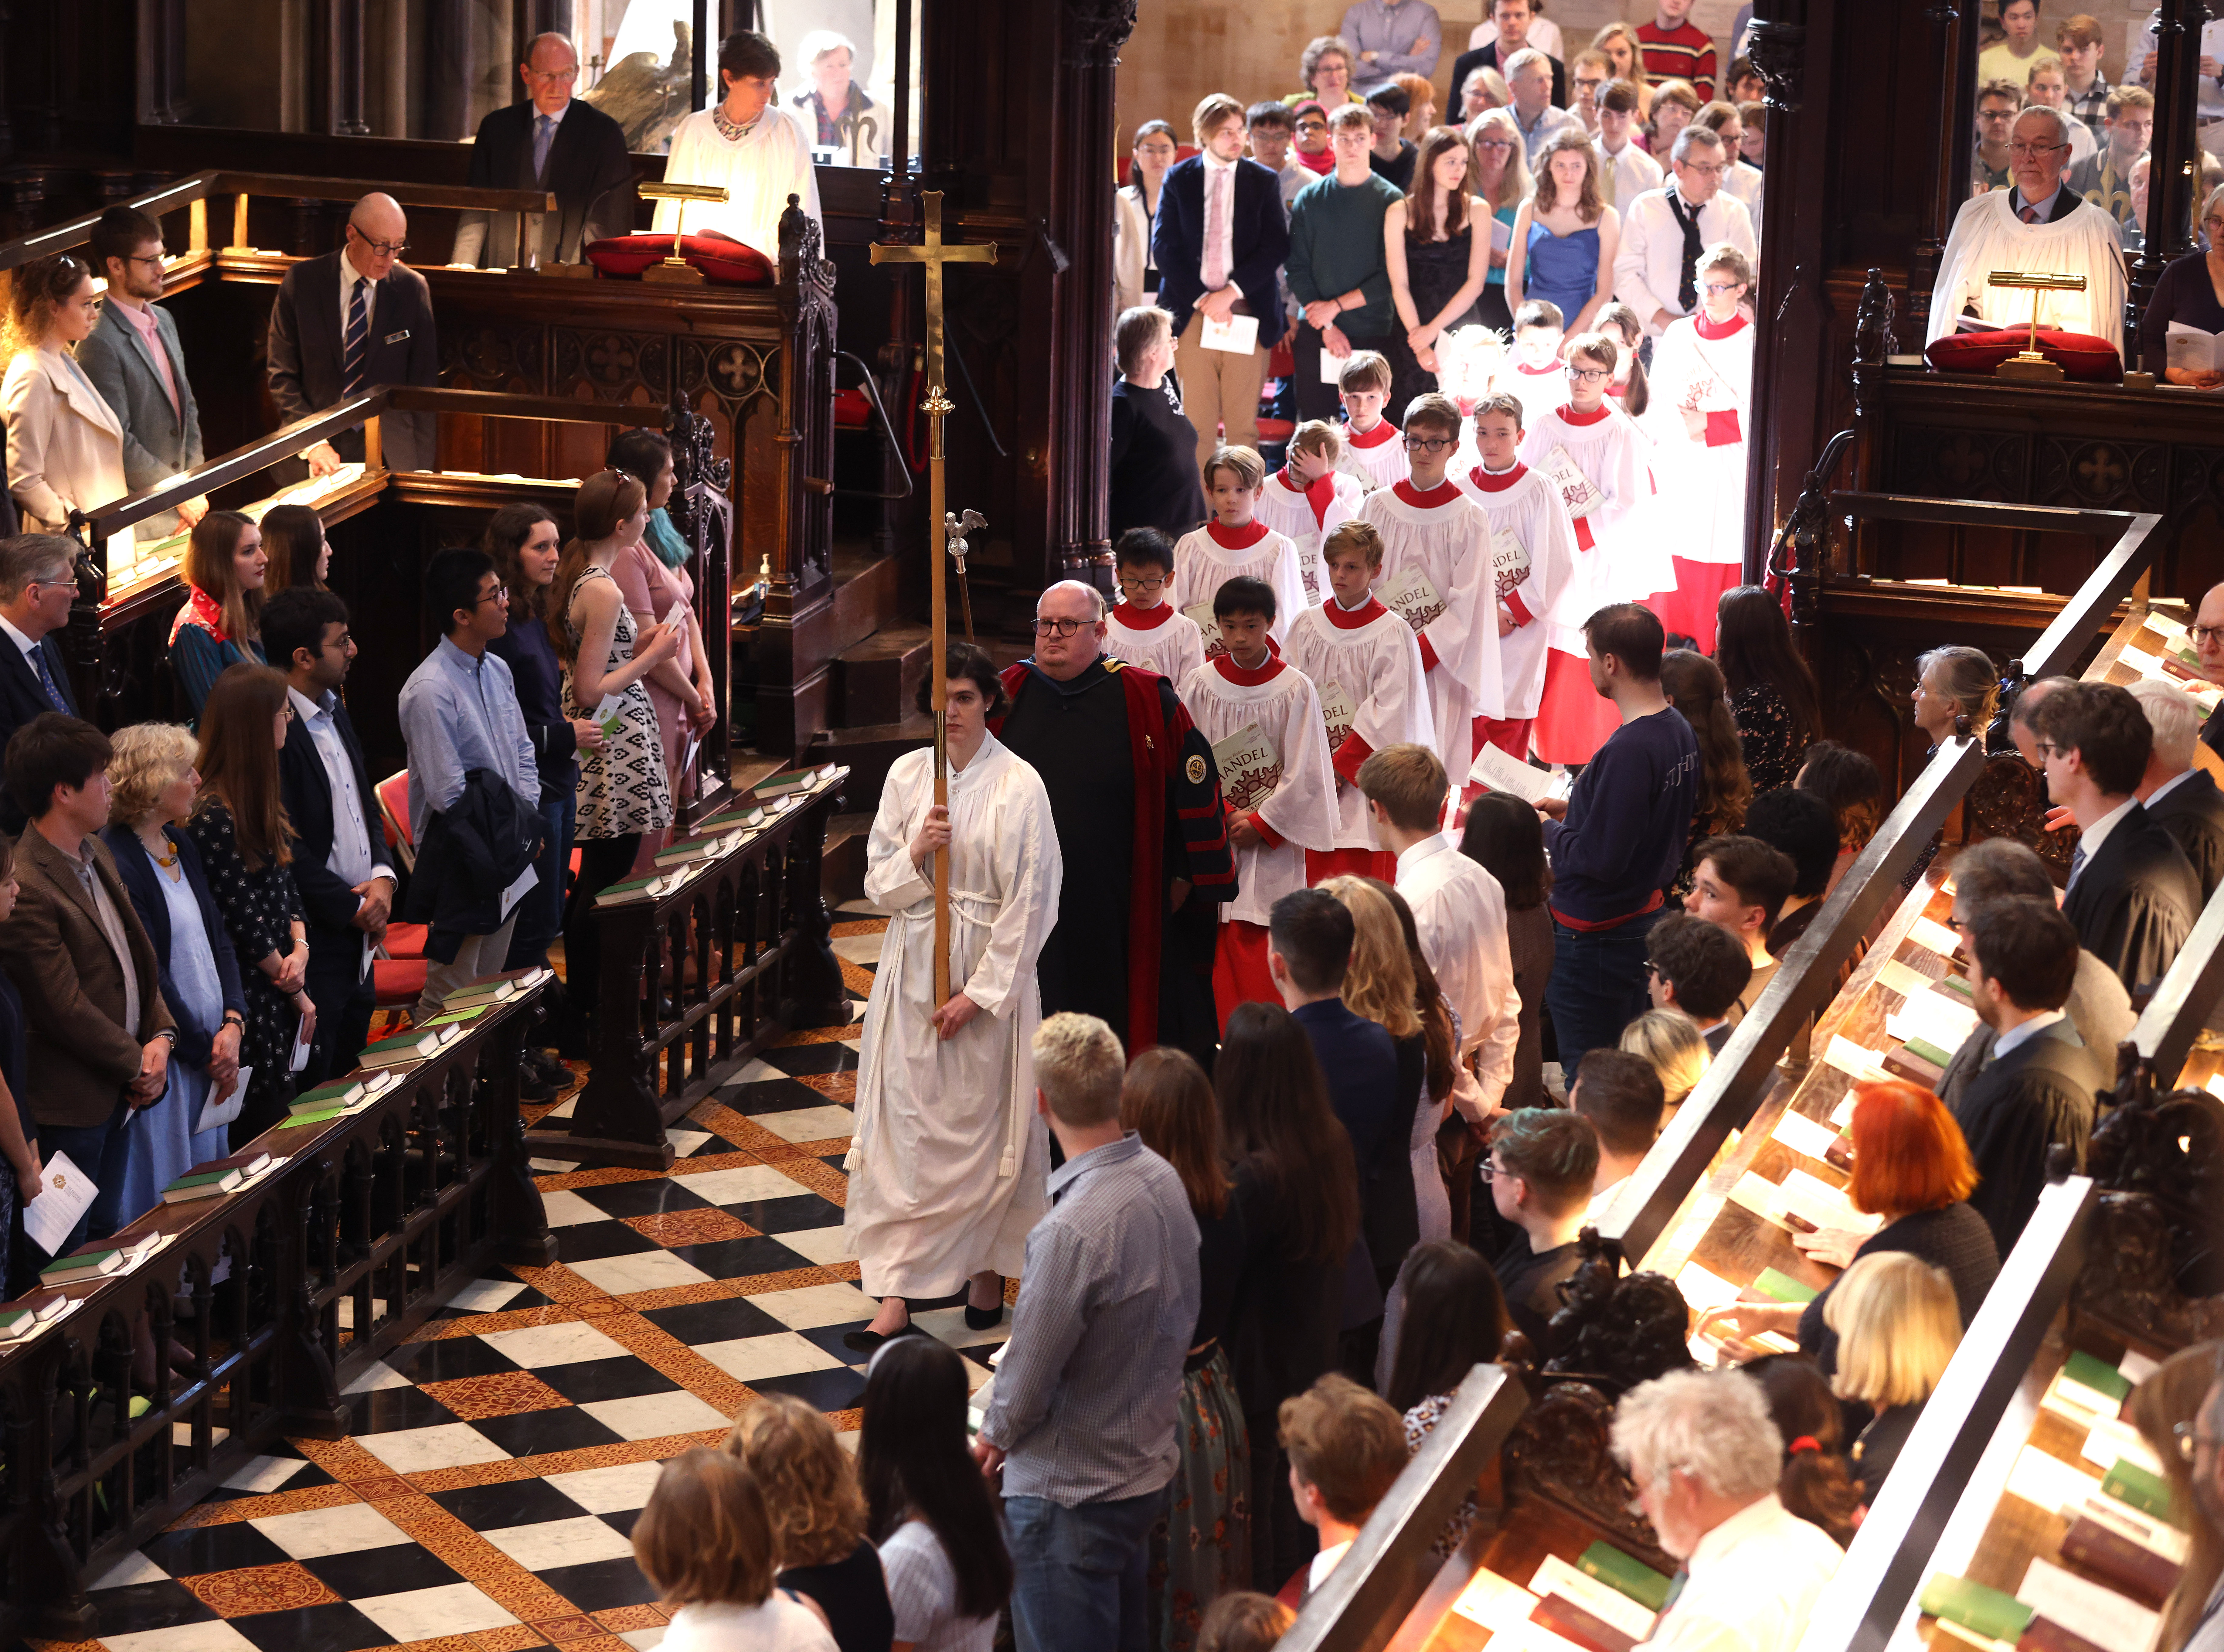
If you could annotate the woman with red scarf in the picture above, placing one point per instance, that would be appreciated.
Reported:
(221, 624)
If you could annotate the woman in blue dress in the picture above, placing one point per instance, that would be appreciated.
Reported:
(1565, 236)
(154, 784)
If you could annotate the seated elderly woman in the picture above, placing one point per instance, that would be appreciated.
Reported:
(1705, 1454)
(2190, 294)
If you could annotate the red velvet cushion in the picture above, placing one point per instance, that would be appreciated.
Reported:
(720, 257)
(851, 410)
(2079, 355)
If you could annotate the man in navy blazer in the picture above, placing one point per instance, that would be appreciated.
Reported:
(37, 585)
(339, 861)
(1219, 237)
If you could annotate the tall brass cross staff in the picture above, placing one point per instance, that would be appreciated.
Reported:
(933, 254)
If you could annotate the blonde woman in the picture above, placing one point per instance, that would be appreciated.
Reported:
(818, 1512)
(65, 444)
(1566, 235)
(1671, 1042)
(1627, 58)
(1378, 983)
(1499, 176)
(1898, 1323)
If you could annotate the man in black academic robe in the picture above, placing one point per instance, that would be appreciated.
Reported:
(1136, 796)
(2132, 895)
(2037, 1091)
(2180, 798)
(556, 143)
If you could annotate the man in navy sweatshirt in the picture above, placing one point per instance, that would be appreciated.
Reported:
(1617, 841)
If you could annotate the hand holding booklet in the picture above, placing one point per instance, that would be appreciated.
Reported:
(65, 1192)
(1501, 773)
(1238, 335)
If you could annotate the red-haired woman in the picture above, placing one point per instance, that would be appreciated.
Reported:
(1912, 1167)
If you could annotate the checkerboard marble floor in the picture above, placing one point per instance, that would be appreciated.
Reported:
(484, 1499)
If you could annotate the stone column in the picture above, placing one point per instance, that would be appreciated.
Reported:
(2171, 191)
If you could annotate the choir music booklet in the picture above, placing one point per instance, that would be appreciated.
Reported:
(1249, 767)
(2194, 350)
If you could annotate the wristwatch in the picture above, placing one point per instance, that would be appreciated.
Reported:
(233, 1018)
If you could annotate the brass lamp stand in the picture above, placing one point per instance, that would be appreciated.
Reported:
(2027, 364)
(676, 269)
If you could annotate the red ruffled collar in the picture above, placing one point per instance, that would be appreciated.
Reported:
(1551, 370)
(1568, 415)
(1142, 619)
(1707, 327)
(1236, 539)
(1350, 619)
(1383, 431)
(1319, 495)
(1497, 481)
(1226, 666)
(1443, 494)
(201, 610)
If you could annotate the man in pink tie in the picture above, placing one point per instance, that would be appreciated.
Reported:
(1219, 237)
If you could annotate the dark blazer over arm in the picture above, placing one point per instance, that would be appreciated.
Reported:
(22, 699)
(1258, 239)
(328, 902)
(2135, 900)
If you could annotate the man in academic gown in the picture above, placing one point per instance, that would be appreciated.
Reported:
(1136, 796)
(2037, 1091)
(2181, 799)
(2133, 893)
(2038, 225)
(2206, 636)
(552, 141)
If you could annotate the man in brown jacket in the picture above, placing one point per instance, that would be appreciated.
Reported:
(99, 1035)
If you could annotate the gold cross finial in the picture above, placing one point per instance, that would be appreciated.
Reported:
(933, 254)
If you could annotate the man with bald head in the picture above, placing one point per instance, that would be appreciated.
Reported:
(2207, 636)
(1136, 796)
(353, 318)
(551, 141)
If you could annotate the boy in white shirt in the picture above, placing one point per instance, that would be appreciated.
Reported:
(1271, 746)
(1310, 498)
(1634, 171)
(1143, 627)
(1532, 366)
(1435, 571)
(1365, 662)
(1372, 452)
(1233, 545)
(1533, 541)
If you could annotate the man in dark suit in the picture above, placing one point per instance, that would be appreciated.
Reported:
(350, 319)
(1218, 239)
(2037, 1090)
(1512, 19)
(555, 142)
(98, 1035)
(2181, 798)
(37, 586)
(2133, 896)
(339, 863)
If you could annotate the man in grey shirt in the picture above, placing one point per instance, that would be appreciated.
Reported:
(1082, 1422)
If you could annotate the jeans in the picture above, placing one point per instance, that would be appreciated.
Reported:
(540, 913)
(1597, 986)
(1079, 1583)
(99, 1151)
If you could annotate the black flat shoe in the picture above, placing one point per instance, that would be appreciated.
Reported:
(869, 1341)
(984, 1319)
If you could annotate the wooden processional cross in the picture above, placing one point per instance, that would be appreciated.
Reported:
(933, 254)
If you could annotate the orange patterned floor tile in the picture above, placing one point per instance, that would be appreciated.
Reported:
(345, 1460)
(557, 1630)
(846, 1423)
(502, 1580)
(285, 1587)
(262, 1508)
(857, 978)
(691, 1227)
(382, 1490)
(855, 1030)
(620, 1620)
(510, 1637)
(849, 927)
(824, 1180)
(503, 1393)
(835, 1086)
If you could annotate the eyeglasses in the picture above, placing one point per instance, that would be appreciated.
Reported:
(2190, 1440)
(1588, 83)
(154, 258)
(2033, 150)
(1136, 582)
(1486, 1172)
(1430, 444)
(1060, 627)
(1493, 143)
(569, 75)
(2048, 748)
(1716, 288)
(1996, 114)
(384, 248)
(1312, 126)
(2201, 633)
(500, 593)
(1588, 375)
(1698, 171)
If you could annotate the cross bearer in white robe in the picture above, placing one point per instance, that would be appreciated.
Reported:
(948, 1169)
(749, 146)
(2042, 226)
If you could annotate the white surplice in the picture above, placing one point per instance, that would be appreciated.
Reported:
(1161, 639)
(947, 1173)
(1209, 557)
(1306, 517)
(1459, 911)
(1988, 235)
(1445, 534)
(758, 172)
(1301, 813)
(1614, 559)
(1374, 658)
(1532, 536)
(1376, 460)
(1708, 369)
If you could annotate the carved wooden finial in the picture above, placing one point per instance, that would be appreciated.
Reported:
(1874, 337)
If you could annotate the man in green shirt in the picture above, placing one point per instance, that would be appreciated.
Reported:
(1336, 268)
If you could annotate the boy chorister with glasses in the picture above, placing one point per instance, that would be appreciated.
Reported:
(1143, 627)
(1437, 574)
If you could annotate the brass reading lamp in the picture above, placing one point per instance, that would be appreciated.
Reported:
(2027, 364)
(677, 268)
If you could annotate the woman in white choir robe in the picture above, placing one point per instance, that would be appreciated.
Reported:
(746, 144)
(1703, 383)
(947, 1171)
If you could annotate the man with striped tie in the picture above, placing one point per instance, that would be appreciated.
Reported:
(349, 320)
(36, 589)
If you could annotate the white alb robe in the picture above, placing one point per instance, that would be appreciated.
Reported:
(1297, 811)
(1446, 535)
(1374, 658)
(1459, 914)
(772, 162)
(1533, 549)
(1708, 369)
(1207, 557)
(1610, 450)
(1306, 516)
(1988, 235)
(1376, 460)
(947, 1174)
(1161, 639)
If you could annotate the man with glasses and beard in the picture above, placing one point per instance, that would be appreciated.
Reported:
(1136, 796)
(135, 361)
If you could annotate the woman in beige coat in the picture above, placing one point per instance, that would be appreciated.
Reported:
(65, 446)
